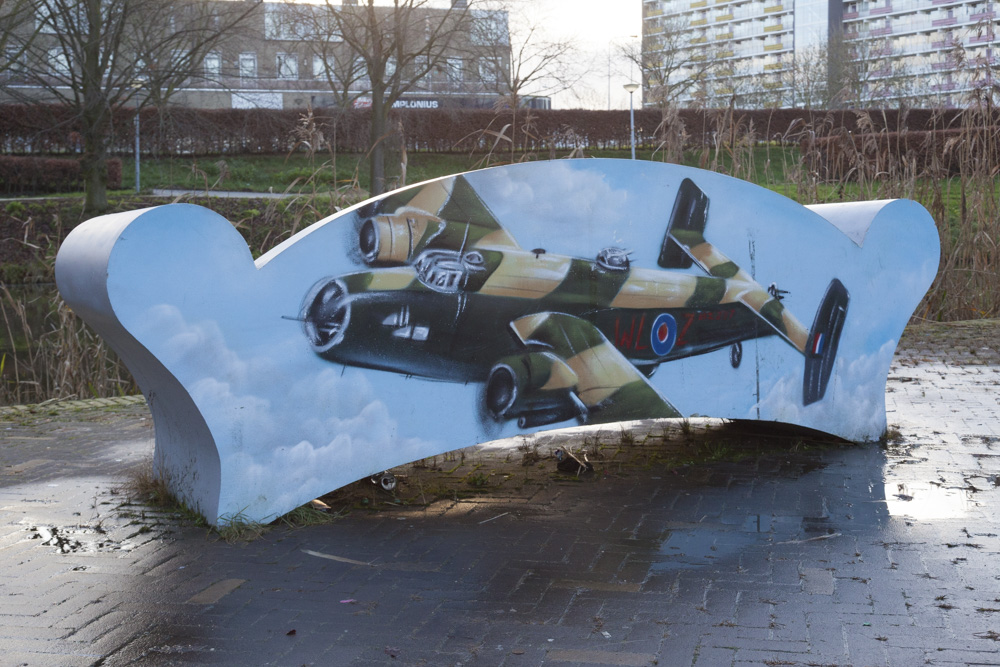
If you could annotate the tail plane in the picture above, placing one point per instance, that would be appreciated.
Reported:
(684, 245)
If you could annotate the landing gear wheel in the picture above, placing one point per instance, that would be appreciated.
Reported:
(386, 480)
(736, 354)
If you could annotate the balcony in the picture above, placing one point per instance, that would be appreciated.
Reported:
(773, 28)
(700, 3)
(699, 22)
(951, 20)
(773, 47)
(774, 8)
(724, 17)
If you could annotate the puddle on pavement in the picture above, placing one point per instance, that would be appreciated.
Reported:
(925, 500)
(699, 545)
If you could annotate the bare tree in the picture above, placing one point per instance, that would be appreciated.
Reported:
(673, 65)
(517, 57)
(95, 56)
(808, 77)
(17, 32)
(174, 43)
(398, 45)
(334, 61)
(863, 72)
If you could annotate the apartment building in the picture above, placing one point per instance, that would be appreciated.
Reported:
(811, 52)
(284, 55)
(927, 51)
(281, 60)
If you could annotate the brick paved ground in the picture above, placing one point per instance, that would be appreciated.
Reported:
(795, 555)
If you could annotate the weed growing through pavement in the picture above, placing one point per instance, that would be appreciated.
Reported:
(238, 527)
(144, 491)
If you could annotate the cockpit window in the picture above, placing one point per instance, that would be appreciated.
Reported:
(447, 270)
(613, 259)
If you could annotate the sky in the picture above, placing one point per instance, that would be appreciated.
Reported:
(600, 26)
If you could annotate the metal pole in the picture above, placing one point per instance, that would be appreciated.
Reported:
(631, 116)
(137, 150)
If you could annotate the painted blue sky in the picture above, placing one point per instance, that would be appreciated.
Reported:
(226, 327)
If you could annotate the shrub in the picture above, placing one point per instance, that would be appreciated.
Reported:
(33, 175)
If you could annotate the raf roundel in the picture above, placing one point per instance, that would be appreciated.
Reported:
(664, 334)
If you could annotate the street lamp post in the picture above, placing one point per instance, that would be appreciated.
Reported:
(137, 188)
(630, 88)
(136, 86)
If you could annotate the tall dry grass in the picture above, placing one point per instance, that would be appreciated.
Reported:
(60, 358)
(952, 171)
(967, 210)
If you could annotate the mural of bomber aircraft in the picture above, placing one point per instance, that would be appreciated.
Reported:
(450, 295)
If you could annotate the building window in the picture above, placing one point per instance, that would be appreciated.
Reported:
(454, 69)
(213, 65)
(248, 65)
(287, 66)
(319, 67)
(489, 70)
(58, 62)
(51, 22)
(10, 60)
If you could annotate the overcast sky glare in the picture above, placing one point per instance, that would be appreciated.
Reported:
(600, 26)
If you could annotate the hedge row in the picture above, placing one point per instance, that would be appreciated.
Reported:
(36, 175)
(184, 131)
(938, 153)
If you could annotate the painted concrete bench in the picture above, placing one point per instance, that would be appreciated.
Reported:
(485, 304)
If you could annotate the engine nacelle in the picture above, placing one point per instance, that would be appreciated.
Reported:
(394, 239)
(535, 388)
(326, 313)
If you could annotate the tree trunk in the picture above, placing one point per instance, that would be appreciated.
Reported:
(93, 163)
(94, 115)
(95, 184)
(376, 139)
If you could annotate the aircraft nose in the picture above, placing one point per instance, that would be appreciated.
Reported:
(326, 315)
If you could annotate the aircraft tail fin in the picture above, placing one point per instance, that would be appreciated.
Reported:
(686, 227)
(824, 338)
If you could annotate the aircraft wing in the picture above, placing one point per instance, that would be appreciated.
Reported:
(447, 214)
(606, 385)
(685, 242)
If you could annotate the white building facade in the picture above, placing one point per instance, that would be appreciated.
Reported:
(818, 52)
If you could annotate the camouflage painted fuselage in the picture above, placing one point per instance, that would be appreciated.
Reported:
(416, 321)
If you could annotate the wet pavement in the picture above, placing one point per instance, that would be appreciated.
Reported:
(794, 554)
